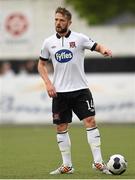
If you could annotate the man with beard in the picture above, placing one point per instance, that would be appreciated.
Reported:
(69, 89)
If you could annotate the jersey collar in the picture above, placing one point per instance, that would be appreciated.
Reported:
(66, 36)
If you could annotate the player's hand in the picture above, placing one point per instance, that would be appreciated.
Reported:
(51, 90)
(103, 50)
(107, 52)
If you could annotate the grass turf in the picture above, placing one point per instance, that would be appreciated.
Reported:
(31, 152)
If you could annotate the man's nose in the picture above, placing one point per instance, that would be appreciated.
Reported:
(58, 22)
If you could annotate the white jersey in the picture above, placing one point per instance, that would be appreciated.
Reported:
(67, 55)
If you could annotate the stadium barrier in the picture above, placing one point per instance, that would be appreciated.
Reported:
(23, 99)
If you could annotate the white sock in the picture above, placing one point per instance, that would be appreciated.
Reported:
(93, 137)
(64, 144)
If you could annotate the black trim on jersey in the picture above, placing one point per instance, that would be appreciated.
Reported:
(93, 47)
(43, 59)
(66, 36)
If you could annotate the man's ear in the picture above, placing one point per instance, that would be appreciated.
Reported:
(70, 22)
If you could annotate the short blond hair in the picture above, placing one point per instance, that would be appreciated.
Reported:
(64, 12)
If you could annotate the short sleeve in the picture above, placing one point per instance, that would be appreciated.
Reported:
(88, 43)
(44, 53)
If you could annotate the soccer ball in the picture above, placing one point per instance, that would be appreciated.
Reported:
(117, 164)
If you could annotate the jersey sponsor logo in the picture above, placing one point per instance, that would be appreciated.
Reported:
(63, 55)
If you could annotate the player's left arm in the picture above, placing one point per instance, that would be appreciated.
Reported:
(103, 50)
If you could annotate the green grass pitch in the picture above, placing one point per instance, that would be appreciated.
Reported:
(31, 152)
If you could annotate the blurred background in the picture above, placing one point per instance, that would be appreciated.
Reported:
(28, 147)
(24, 24)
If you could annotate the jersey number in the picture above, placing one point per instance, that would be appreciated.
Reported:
(90, 105)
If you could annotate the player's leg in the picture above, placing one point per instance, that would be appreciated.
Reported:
(64, 144)
(93, 137)
(84, 109)
(61, 117)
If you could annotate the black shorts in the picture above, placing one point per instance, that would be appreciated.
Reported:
(80, 102)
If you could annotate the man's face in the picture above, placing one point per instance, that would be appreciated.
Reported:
(61, 23)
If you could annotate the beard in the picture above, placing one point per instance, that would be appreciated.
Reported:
(60, 30)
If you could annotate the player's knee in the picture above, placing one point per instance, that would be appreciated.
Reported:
(62, 127)
(90, 122)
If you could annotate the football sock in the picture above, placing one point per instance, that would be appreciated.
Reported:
(64, 144)
(93, 137)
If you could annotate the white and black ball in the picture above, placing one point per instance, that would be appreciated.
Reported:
(117, 164)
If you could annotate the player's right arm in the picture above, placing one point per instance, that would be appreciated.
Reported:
(44, 74)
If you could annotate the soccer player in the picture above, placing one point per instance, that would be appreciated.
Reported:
(69, 89)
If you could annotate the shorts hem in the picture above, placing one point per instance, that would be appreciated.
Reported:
(58, 122)
(81, 119)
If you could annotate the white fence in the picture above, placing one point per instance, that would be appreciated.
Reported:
(23, 99)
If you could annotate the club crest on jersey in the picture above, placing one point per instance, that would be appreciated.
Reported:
(63, 55)
(72, 45)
